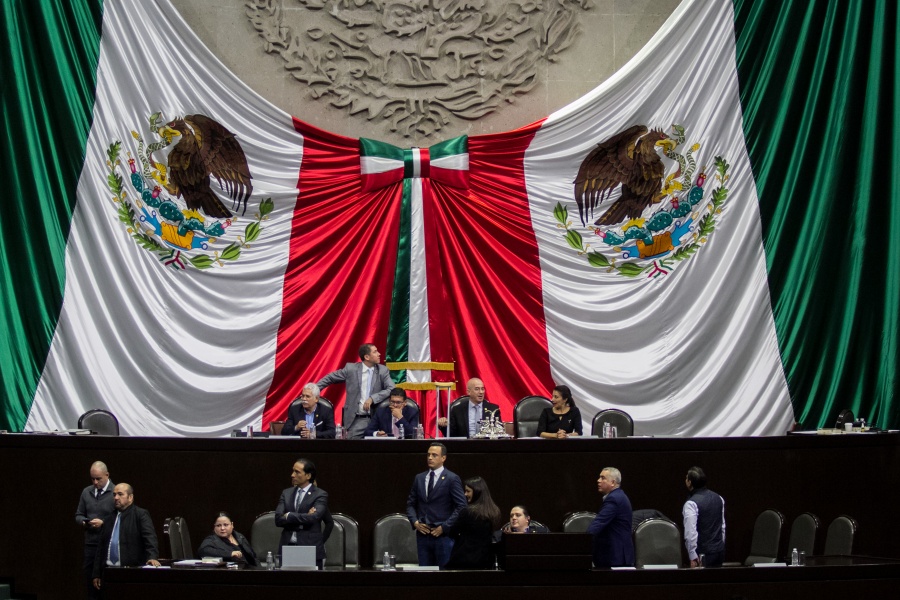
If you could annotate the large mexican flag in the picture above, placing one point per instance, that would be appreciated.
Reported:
(689, 242)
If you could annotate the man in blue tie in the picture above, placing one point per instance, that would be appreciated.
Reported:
(301, 509)
(128, 539)
(434, 504)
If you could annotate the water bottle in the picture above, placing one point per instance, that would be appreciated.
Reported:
(401, 432)
(249, 431)
(270, 562)
(386, 562)
(420, 433)
(338, 432)
(795, 558)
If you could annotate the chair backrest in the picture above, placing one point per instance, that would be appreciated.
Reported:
(412, 403)
(393, 534)
(578, 522)
(527, 414)
(335, 546)
(766, 538)
(179, 538)
(275, 427)
(657, 542)
(803, 534)
(642, 514)
(351, 538)
(845, 416)
(99, 421)
(619, 419)
(326, 402)
(265, 535)
(839, 538)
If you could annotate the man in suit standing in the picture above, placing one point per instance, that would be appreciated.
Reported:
(611, 528)
(465, 416)
(388, 420)
(434, 503)
(704, 522)
(308, 415)
(368, 383)
(301, 509)
(129, 539)
(95, 507)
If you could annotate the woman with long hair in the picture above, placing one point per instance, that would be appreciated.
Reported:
(563, 419)
(474, 528)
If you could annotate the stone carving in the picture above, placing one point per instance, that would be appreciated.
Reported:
(416, 63)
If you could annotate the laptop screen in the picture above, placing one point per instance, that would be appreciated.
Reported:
(298, 557)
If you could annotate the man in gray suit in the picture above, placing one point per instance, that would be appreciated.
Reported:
(368, 383)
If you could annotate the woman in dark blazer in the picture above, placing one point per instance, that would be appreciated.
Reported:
(561, 420)
(227, 543)
(474, 529)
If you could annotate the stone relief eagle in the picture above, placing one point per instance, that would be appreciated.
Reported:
(206, 148)
(628, 159)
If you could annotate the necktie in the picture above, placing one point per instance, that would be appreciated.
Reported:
(114, 542)
(430, 484)
(97, 494)
(298, 500)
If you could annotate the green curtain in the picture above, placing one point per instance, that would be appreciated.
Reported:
(821, 120)
(48, 75)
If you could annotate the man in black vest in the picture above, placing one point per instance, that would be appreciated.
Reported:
(704, 522)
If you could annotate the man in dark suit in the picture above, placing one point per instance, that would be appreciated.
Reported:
(465, 416)
(95, 507)
(129, 539)
(388, 420)
(611, 528)
(367, 383)
(301, 509)
(308, 414)
(434, 503)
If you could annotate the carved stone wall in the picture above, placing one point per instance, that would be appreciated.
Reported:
(413, 72)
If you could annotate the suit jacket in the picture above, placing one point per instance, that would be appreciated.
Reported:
(308, 527)
(382, 420)
(611, 528)
(213, 545)
(351, 375)
(442, 507)
(324, 417)
(89, 508)
(473, 546)
(459, 417)
(137, 539)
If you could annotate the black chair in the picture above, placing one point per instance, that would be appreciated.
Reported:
(578, 521)
(766, 538)
(351, 538)
(803, 534)
(454, 404)
(527, 414)
(394, 535)
(335, 546)
(101, 422)
(179, 538)
(657, 542)
(845, 416)
(839, 538)
(619, 419)
(642, 514)
(265, 536)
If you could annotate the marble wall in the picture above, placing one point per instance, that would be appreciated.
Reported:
(414, 72)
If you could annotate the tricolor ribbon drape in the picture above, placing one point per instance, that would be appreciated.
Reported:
(412, 332)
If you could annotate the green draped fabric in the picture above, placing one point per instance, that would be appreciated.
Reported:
(821, 120)
(48, 69)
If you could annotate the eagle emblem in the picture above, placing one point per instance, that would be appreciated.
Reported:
(654, 213)
(170, 207)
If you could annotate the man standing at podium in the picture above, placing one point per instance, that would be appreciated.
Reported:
(94, 508)
(367, 383)
(301, 509)
(128, 539)
(611, 528)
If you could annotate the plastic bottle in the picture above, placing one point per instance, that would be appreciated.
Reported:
(270, 562)
(338, 432)
(386, 563)
(420, 433)
(795, 558)
(401, 432)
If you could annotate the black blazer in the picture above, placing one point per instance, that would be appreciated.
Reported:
(307, 526)
(381, 421)
(473, 547)
(137, 539)
(459, 417)
(213, 545)
(324, 417)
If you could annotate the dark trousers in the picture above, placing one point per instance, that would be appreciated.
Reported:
(90, 550)
(713, 559)
(433, 551)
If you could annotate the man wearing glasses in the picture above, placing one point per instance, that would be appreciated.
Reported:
(396, 417)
